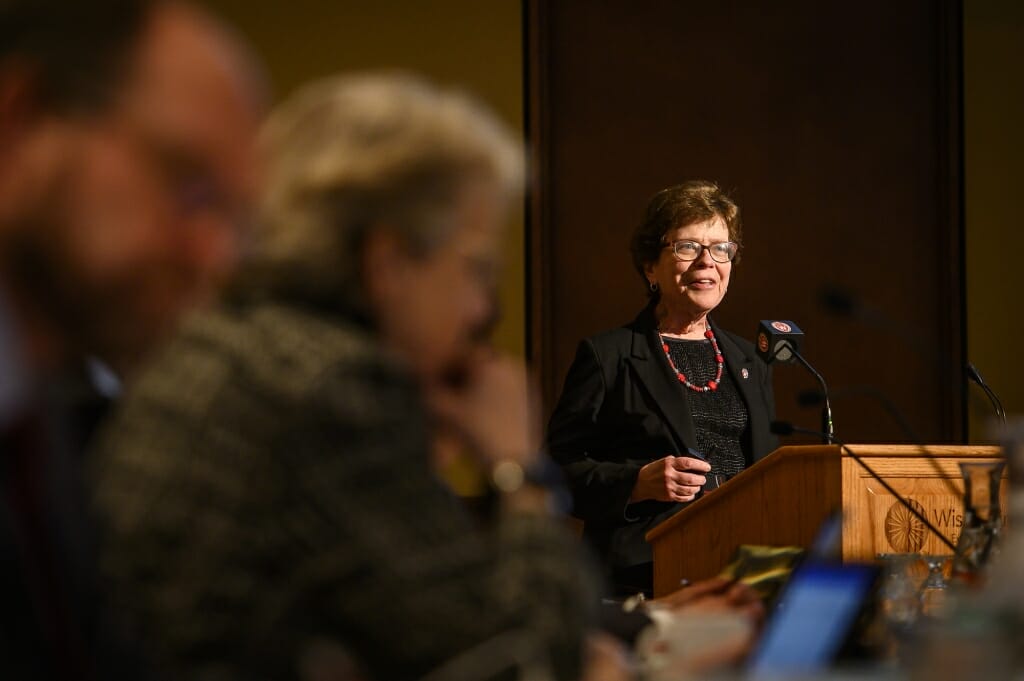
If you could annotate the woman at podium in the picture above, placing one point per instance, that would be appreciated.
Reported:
(656, 411)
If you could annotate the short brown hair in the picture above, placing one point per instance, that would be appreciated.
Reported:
(678, 206)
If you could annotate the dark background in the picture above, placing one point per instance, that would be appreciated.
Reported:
(837, 127)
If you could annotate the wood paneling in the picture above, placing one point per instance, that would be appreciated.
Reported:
(837, 127)
(783, 499)
(875, 522)
(780, 501)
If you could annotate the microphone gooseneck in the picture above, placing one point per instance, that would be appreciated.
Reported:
(786, 428)
(826, 410)
(842, 302)
(813, 398)
(997, 405)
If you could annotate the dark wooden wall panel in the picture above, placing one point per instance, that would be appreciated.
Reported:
(836, 125)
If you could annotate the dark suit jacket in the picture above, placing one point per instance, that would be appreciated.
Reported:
(622, 407)
(53, 624)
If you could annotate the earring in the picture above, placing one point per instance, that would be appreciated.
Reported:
(654, 287)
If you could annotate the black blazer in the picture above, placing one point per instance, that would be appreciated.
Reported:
(621, 408)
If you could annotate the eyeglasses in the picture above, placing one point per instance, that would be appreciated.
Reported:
(686, 250)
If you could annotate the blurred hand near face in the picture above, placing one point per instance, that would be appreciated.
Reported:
(487, 403)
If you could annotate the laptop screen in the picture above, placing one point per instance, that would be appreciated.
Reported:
(815, 616)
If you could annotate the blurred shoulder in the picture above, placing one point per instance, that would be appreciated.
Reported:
(253, 363)
(227, 387)
(281, 345)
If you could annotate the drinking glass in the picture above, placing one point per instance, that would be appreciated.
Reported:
(933, 589)
(900, 592)
(982, 518)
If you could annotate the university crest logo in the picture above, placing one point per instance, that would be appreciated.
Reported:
(904, 531)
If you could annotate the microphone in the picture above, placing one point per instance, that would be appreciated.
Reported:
(786, 428)
(779, 340)
(975, 375)
(841, 302)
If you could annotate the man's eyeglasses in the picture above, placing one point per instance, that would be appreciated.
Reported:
(687, 250)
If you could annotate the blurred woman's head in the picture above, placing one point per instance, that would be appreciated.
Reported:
(386, 197)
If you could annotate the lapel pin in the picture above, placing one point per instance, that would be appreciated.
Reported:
(744, 373)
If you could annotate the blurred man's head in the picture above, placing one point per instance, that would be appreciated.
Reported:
(386, 195)
(126, 168)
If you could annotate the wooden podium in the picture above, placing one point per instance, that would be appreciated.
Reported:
(782, 500)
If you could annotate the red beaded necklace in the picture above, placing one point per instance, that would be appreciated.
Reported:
(710, 385)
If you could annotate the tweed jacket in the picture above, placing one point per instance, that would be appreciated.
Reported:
(268, 494)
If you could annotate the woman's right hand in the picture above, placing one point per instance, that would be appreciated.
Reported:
(673, 478)
(489, 408)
